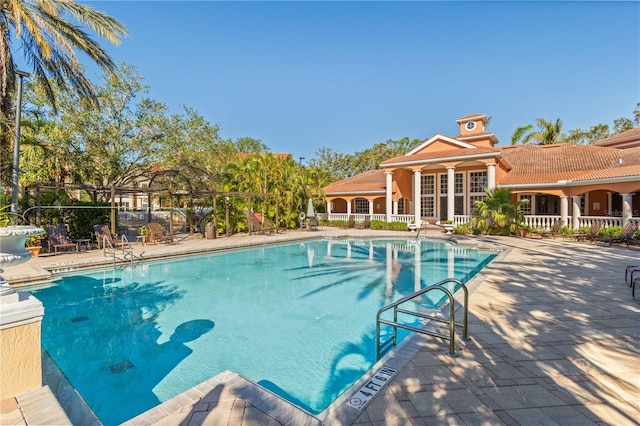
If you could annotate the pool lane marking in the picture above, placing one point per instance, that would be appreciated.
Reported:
(361, 398)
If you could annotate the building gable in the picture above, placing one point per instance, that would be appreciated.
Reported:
(438, 143)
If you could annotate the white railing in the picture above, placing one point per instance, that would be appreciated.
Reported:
(461, 219)
(534, 221)
(406, 218)
(541, 221)
(607, 221)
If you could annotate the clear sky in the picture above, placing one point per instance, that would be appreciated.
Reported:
(345, 75)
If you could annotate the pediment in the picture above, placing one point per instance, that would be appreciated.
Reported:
(440, 142)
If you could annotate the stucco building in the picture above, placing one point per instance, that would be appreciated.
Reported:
(443, 177)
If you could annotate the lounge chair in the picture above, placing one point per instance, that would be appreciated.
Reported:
(268, 225)
(313, 223)
(366, 224)
(628, 231)
(591, 234)
(104, 237)
(57, 238)
(259, 223)
(157, 233)
(553, 231)
(351, 223)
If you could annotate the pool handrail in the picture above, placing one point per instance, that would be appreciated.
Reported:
(452, 324)
(125, 246)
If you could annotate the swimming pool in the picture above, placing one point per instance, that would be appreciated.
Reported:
(298, 319)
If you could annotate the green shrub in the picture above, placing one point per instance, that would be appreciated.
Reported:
(464, 229)
(610, 232)
(566, 231)
(584, 229)
(390, 226)
(336, 223)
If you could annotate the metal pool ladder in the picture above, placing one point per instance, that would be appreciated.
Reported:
(452, 324)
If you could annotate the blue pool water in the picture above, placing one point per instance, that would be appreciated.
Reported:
(299, 319)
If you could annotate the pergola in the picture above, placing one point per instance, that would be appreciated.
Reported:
(174, 184)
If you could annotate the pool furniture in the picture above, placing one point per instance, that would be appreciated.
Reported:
(104, 237)
(351, 223)
(313, 223)
(259, 223)
(158, 234)
(591, 234)
(625, 236)
(553, 231)
(57, 238)
(84, 242)
(366, 224)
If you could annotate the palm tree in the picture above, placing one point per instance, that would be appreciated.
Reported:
(549, 133)
(48, 43)
(497, 210)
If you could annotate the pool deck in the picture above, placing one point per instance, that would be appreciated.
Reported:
(554, 339)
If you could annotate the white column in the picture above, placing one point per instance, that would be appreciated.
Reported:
(491, 176)
(416, 196)
(451, 192)
(576, 212)
(564, 209)
(370, 207)
(609, 203)
(627, 200)
(348, 207)
(329, 207)
(388, 195)
(395, 206)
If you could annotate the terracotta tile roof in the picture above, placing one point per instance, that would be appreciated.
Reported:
(372, 180)
(630, 134)
(475, 135)
(456, 152)
(550, 163)
(469, 116)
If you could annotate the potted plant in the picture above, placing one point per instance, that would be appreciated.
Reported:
(524, 230)
(33, 244)
(145, 233)
(447, 225)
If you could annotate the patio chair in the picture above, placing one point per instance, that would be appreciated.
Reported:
(553, 231)
(366, 224)
(313, 223)
(591, 234)
(57, 238)
(158, 234)
(351, 223)
(626, 235)
(104, 237)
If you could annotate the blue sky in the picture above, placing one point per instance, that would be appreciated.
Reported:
(346, 75)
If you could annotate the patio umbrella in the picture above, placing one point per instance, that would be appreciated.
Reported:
(310, 212)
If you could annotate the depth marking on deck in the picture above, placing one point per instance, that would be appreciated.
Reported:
(361, 398)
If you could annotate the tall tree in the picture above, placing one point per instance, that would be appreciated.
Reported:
(548, 133)
(113, 144)
(40, 31)
(622, 124)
